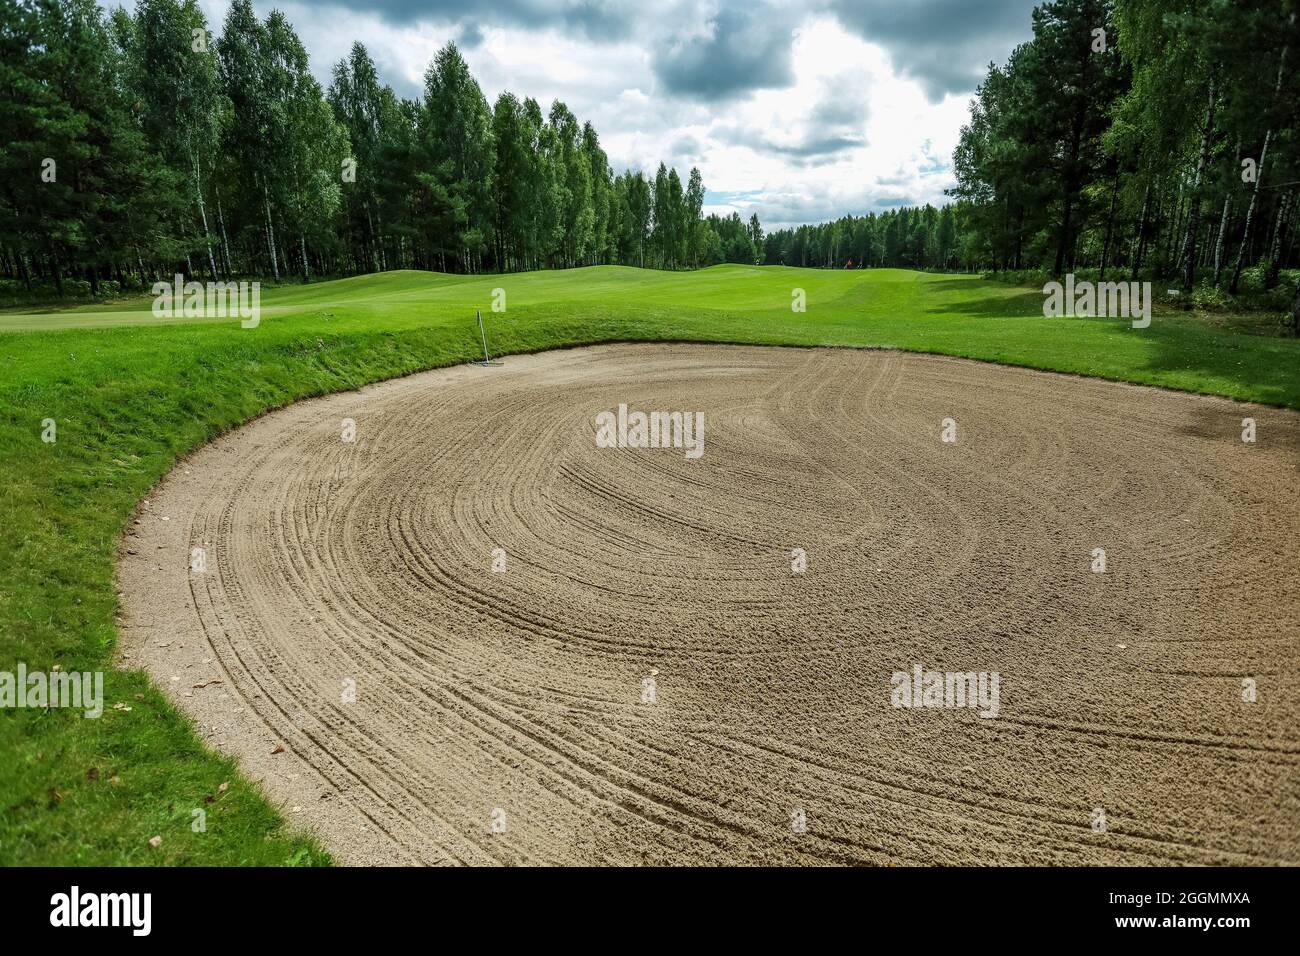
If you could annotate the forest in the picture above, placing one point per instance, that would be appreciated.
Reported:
(1139, 138)
(140, 144)
(905, 237)
(1166, 146)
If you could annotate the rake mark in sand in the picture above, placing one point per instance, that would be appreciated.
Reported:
(431, 709)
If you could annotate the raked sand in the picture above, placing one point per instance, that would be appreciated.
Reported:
(649, 680)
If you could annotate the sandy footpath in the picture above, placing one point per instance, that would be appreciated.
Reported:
(648, 680)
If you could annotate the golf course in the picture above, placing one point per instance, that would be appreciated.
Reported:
(129, 395)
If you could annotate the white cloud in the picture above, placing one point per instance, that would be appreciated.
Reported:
(851, 132)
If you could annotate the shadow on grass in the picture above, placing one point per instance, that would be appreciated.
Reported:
(1183, 350)
(1178, 350)
(960, 295)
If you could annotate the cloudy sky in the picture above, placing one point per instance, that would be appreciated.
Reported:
(799, 111)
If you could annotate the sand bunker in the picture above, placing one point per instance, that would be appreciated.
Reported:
(481, 638)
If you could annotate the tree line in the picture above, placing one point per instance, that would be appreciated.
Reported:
(907, 237)
(1153, 138)
(141, 145)
(1141, 138)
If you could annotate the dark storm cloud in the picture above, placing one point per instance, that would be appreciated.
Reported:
(470, 35)
(747, 48)
(946, 45)
(595, 19)
(816, 151)
(814, 148)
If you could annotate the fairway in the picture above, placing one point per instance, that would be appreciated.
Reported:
(742, 288)
(443, 624)
(892, 308)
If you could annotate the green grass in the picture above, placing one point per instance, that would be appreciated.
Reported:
(131, 393)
